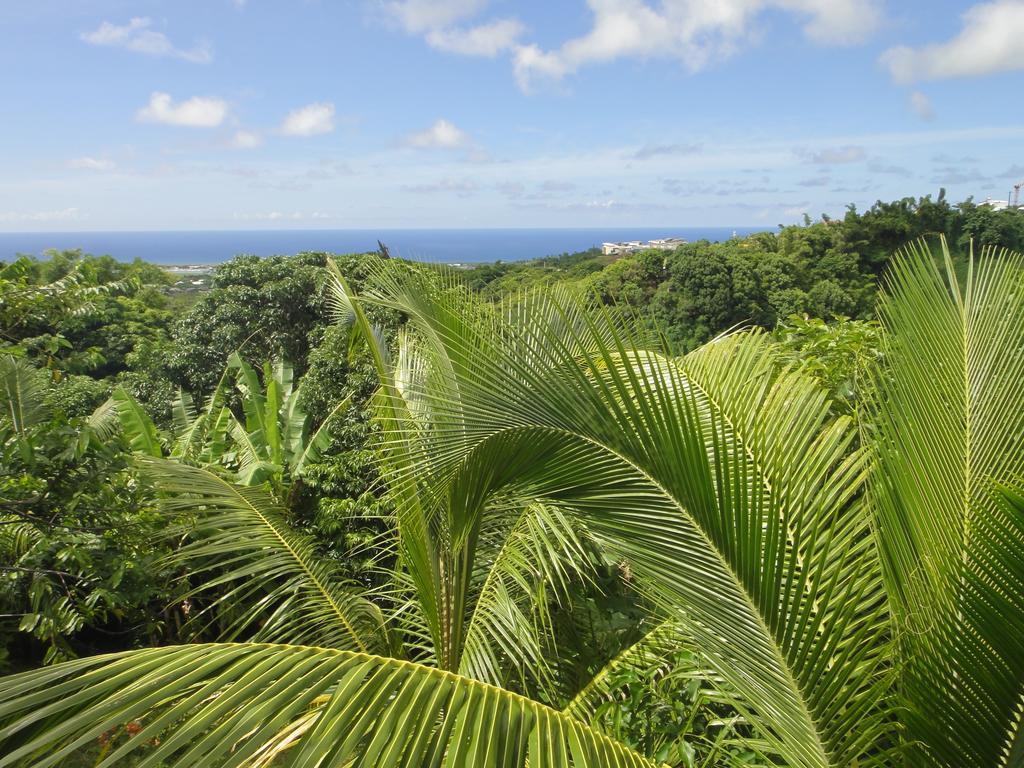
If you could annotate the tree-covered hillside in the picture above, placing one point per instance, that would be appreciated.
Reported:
(829, 268)
(754, 502)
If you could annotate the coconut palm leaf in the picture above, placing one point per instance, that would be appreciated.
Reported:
(266, 579)
(718, 478)
(483, 576)
(949, 419)
(525, 564)
(21, 393)
(228, 705)
(104, 421)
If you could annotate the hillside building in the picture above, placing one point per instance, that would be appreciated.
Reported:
(632, 246)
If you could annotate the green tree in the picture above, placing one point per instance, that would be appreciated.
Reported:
(79, 571)
(260, 307)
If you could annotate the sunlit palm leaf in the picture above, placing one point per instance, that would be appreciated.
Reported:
(484, 575)
(104, 421)
(950, 415)
(717, 478)
(231, 705)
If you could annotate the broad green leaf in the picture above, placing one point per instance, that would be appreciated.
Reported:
(136, 424)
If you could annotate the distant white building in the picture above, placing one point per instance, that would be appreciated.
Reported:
(995, 205)
(632, 246)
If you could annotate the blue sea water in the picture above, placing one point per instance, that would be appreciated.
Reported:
(435, 245)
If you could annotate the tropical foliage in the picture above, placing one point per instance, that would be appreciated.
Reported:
(817, 541)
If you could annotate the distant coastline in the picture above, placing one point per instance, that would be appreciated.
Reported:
(201, 249)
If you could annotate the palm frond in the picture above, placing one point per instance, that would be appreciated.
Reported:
(104, 422)
(530, 563)
(717, 478)
(21, 393)
(420, 553)
(267, 579)
(949, 418)
(248, 704)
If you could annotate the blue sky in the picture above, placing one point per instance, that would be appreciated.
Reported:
(243, 114)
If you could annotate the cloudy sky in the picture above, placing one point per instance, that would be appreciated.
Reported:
(240, 114)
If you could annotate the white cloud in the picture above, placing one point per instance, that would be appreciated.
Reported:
(137, 36)
(697, 32)
(245, 140)
(441, 135)
(921, 105)
(461, 187)
(837, 155)
(836, 22)
(91, 164)
(419, 16)
(647, 151)
(483, 40)
(284, 216)
(310, 120)
(197, 112)
(66, 214)
(436, 20)
(989, 42)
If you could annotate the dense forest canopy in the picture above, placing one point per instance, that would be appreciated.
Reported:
(306, 400)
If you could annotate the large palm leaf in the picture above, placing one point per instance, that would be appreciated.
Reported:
(248, 704)
(720, 479)
(480, 575)
(294, 704)
(950, 420)
(21, 394)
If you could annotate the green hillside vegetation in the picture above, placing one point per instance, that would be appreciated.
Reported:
(751, 503)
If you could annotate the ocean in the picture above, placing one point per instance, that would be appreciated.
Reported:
(436, 245)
